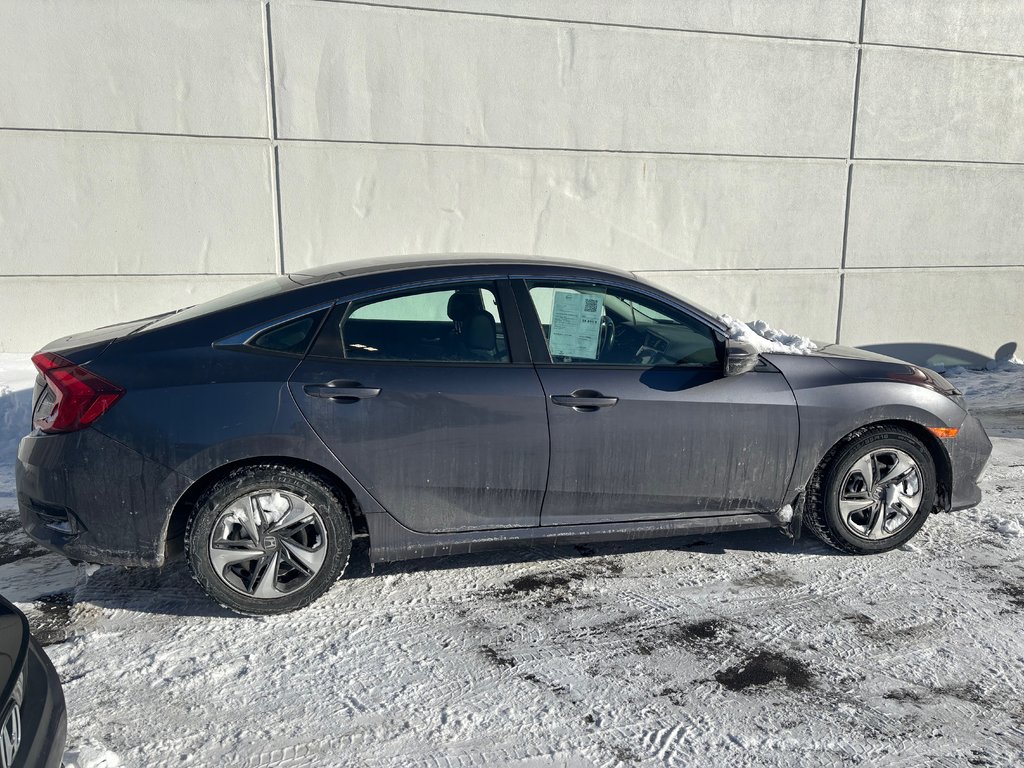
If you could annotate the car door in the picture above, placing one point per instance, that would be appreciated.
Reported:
(644, 425)
(428, 397)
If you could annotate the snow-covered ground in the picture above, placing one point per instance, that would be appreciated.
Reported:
(740, 649)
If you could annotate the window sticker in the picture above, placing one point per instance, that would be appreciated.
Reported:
(575, 324)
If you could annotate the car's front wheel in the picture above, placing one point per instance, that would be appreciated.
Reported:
(873, 492)
(268, 539)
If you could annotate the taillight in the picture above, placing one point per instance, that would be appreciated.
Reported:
(79, 396)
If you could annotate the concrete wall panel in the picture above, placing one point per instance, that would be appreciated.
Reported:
(703, 143)
(799, 302)
(924, 214)
(940, 106)
(72, 304)
(975, 309)
(639, 212)
(991, 26)
(190, 66)
(819, 19)
(356, 74)
(102, 204)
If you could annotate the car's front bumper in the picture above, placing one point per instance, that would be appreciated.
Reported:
(969, 451)
(43, 714)
(93, 499)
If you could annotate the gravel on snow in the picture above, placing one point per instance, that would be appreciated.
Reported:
(736, 649)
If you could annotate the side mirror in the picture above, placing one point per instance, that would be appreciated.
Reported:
(740, 357)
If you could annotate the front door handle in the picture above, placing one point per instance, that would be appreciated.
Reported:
(584, 400)
(341, 391)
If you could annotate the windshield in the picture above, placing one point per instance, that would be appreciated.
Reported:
(700, 308)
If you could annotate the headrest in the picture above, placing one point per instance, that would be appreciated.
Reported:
(481, 336)
(462, 305)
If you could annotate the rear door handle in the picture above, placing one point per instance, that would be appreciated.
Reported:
(341, 391)
(584, 400)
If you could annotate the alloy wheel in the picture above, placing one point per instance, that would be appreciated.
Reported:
(880, 494)
(268, 543)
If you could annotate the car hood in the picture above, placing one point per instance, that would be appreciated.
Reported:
(838, 351)
(861, 364)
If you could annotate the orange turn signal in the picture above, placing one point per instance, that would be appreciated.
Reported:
(944, 432)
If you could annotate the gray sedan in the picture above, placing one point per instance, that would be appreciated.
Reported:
(33, 716)
(447, 406)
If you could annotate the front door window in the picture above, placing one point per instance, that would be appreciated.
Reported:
(587, 324)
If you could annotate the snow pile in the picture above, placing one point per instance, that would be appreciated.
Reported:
(1011, 364)
(1006, 527)
(17, 375)
(764, 338)
(14, 418)
(999, 385)
(91, 754)
(785, 515)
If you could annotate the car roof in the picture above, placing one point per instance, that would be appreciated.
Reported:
(376, 265)
(509, 262)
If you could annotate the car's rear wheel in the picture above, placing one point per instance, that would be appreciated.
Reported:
(268, 539)
(873, 492)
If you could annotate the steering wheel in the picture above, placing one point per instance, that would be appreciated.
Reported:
(606, 336)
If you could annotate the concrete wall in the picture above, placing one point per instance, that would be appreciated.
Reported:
(845, 170)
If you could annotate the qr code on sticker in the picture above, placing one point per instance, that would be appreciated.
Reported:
(590, 305)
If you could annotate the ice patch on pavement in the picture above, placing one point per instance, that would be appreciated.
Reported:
(764, 338)
(31, 577)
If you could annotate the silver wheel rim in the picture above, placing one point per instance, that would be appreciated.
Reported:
(268, 544)
(880, 494)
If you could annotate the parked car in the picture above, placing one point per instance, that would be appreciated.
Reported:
(450, 406)
(33, 720)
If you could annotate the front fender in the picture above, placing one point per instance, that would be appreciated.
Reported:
(831, 405)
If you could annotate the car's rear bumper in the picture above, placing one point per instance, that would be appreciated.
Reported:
(969, 452)
(43, 714)
(93, 499)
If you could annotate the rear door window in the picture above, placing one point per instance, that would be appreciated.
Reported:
(459, 323)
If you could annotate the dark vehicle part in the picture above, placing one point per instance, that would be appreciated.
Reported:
(33, 717)
(740, 357)
(452, 405)
(873, 492)
(268, 539)
(72, 398)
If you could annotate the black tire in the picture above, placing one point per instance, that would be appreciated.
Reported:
(331, 526)
(821, 513)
